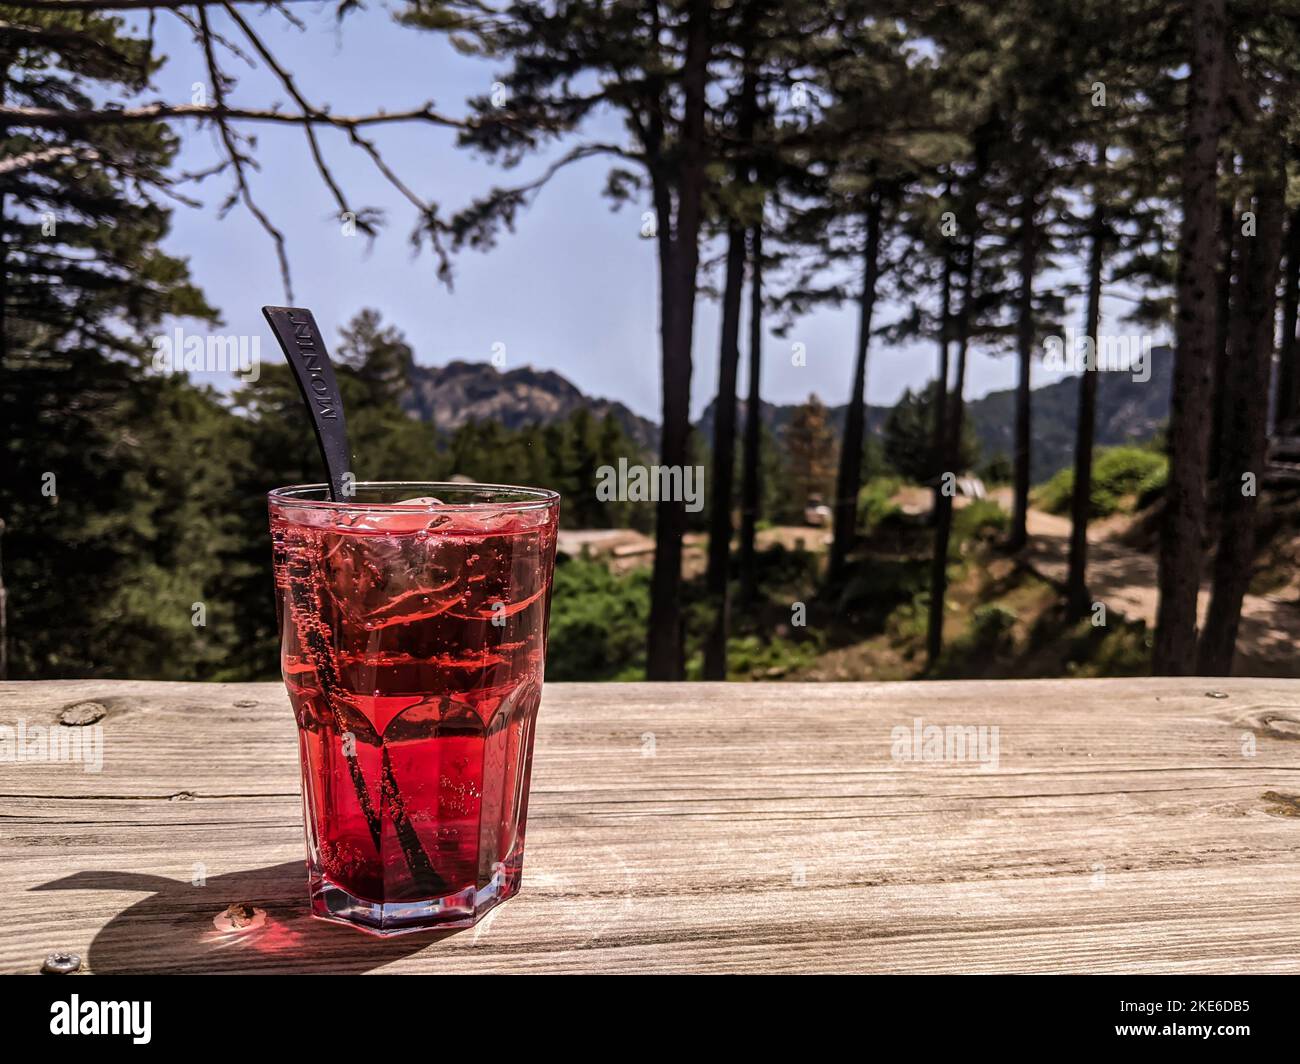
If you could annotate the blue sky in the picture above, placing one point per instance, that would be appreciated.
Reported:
(573, 289)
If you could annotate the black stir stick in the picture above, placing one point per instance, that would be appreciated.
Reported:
(300, 339)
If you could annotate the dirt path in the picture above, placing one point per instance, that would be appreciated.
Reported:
(624, 549)
(1125, 580)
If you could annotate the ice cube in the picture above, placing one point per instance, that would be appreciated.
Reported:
(402, 521)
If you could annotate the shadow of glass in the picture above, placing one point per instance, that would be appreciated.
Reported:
(171, 929)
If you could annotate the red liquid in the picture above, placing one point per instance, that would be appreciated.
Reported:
(413, 647)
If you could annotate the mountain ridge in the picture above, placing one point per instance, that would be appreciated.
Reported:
(1128, 411)
(459, 392)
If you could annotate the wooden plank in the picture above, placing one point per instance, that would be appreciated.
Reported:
(1129, 825)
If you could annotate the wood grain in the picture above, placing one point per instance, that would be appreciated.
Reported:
(1129, 825)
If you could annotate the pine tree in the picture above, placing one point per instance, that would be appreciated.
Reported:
(113, 532)
(1184, 517)
(751, 476)
(378, 356)
(809, 445)
(650, 63)
(737, 201)
(908, 444)
(1262, 80)
(874, 132)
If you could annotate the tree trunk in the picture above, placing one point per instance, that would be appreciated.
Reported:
(951, 458)
(5, 60)
(4, 236)
(937, 449)
(665, 644)
(1245, 435)
(751, 490)
(4, 285)
(724, 459)
(724, 410)
(1184, 517)
(1287, 405)
(1076, 584)
(4, 612)
(1223, 312)
(1024, 354)
(849, 479)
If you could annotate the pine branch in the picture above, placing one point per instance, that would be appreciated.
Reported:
(223, 115)
(33, 159)
(225, 42)
(429, 222)
(309, 126)
(130, 5)
(238, 159)
(60, 38)
(59, 118)
(476, 225)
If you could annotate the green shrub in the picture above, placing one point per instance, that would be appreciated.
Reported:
(752, 657)
(978, 519)
(1117, 472)
(990, 627)
(910, 621)
(997, 470)
(1152, 486)
(874, 504)
(598, 622)
(1121, 649)
(876, 587)
(778, 568)
(1054, 495)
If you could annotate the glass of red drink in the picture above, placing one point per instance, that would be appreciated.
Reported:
(413, 639)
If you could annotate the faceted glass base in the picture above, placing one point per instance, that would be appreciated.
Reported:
(465, 908)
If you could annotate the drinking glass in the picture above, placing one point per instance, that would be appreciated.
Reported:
(413, 624)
